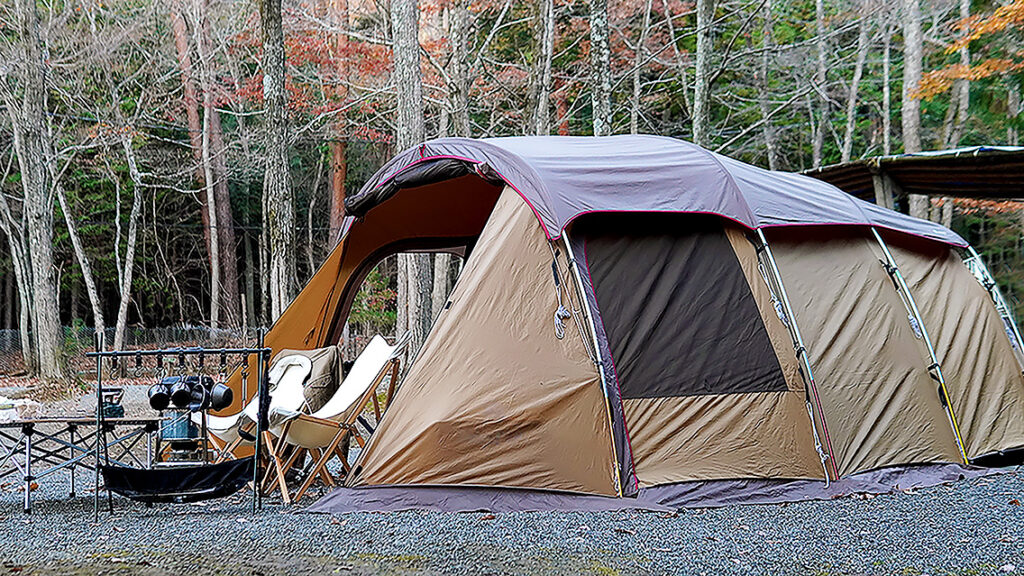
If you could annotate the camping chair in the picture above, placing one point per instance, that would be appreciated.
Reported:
(321, 434)
(288, 373)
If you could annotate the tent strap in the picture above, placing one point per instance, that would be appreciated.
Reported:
(806, 372)
(917, 324)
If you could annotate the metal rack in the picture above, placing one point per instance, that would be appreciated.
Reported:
(262, 354)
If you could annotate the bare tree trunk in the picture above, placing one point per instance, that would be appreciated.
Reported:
(919, 205)
(408, 81)
(702, 72)
(887, 90)
(414, 279)
(600, 68)
(191, 101)
(821, 83)
(912, 56)
(768, 47)
(459, 91)
(851, 101)
(278, 201)
(8, 321)
(310, 258)
(228, 256)
(208, 176)
(17, 242)
(31, 143)
(339, 163)
(83, 263)
(961, 88)
(250, 285)
(542, 113)
(339, 172)
(639, 56)
(129, 256)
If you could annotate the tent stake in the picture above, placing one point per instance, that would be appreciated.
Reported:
(801, 353)
(935, 369)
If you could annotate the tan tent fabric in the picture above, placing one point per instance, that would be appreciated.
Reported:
(880, 405)
(753, 435)
(494, 398)
(982, 375)
(416, 218)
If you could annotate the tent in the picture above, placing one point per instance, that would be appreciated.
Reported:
(636, 312)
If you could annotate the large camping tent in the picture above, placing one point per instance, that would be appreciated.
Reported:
(637, 312)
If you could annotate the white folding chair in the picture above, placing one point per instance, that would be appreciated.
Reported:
(321, 433)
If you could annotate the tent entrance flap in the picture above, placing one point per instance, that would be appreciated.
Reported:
(677, 309)
(704, 393)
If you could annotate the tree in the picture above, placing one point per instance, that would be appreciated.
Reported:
(278, 200)
(821, 119)
(415, 282)
(701, 119)
(546, 35)
(912, 61)
(33, 148)
(858, 72)
(600, 68)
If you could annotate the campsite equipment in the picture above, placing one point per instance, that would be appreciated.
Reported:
(712, 321)
(159, 396)
(41, 447)
(180, 483)
(181, 392)
(221, 396)
(322, 433)
(111, 403)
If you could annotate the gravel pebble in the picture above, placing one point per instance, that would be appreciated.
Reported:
(971, 527)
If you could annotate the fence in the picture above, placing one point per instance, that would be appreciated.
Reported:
(78, 340)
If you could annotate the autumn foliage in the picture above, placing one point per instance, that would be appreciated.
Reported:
(974, 29)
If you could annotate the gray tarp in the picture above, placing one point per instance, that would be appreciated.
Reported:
(562, 177)
(699, 494)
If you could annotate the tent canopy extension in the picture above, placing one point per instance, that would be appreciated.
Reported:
(723, 322)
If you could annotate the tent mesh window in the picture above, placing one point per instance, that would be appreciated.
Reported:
(676, 307)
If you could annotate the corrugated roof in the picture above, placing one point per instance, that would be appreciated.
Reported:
(988, 172)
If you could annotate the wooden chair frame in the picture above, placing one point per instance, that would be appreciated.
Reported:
(284, 455)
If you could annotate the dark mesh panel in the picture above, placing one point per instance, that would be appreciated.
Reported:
(679, 315)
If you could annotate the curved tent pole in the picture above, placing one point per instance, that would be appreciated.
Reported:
(934, 369)
(811, 387)
(585, 307)
(976, 265)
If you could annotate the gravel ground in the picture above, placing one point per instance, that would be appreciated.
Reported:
(971, 527)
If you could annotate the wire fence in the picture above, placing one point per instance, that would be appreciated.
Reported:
(79, 340)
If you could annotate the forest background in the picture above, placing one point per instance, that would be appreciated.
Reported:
(185, 162)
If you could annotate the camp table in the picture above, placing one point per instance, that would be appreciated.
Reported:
(65, 443)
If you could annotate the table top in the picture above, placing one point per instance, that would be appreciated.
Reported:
(82, 420)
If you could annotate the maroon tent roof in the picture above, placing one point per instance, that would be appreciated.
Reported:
(563, 177)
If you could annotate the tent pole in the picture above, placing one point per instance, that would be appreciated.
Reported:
(585, 307)
(935, 369)
(801, 353)
(976, 264)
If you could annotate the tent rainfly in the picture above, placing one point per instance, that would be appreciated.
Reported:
(637, 313)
